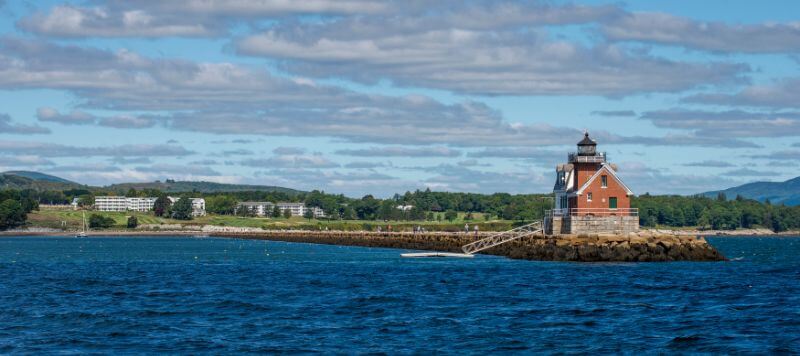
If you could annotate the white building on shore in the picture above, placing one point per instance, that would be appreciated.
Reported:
(114, 203)
(261, 208)
(405, 207)
(265, 208)
(299, 209)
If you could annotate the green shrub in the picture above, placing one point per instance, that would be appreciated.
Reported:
(98, 221)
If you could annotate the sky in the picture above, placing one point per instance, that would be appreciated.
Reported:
(381, 97)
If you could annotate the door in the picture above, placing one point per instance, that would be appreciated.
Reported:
(612, 203)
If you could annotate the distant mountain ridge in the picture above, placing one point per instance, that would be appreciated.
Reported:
(787, 192)
(42, 181)
(23, 180)
(39, 176)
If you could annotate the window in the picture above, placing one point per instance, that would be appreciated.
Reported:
(589, 197)
(604, 181)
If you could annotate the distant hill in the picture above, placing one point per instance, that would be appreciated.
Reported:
(42, 181)
(34, 180)
(787, 192)
(203, 187)
(39, 176)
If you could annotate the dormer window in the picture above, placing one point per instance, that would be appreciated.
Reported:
(604, 181)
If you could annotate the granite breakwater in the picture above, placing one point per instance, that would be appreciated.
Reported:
(577, 248)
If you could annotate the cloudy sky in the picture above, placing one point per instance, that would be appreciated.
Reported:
(363, 96)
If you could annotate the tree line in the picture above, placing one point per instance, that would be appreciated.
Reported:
(14, 208)
(718, 213)
(664, 210)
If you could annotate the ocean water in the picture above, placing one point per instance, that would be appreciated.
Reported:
(210, 295)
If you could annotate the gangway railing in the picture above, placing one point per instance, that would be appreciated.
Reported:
(503, 237)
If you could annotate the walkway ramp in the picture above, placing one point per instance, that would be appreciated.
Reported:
(436, 254)
(503, 237)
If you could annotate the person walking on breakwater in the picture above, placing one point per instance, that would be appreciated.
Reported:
(476, 229)
(466, 228)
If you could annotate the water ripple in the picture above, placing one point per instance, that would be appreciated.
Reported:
(184, 295)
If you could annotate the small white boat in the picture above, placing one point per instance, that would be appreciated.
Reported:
(436, 254)
(83, 233)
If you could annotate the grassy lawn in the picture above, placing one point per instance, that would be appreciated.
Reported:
(73, 220)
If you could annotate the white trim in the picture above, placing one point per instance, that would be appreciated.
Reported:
(597, 174)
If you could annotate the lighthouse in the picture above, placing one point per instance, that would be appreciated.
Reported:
(590, 196)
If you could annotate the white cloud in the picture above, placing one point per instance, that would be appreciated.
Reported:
(728, 124)
(24, 161)
(746, 172)
(509, 62)
(710, 163)
(76, 117)
(69, 21)
(185, 18)
(290, 161)
(667, 29)
(7, 126)
(400, 151)
(58, 150)
(643, 179)
(784, 93)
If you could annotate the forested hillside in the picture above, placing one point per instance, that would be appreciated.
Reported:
(716, 213)
(787, 192)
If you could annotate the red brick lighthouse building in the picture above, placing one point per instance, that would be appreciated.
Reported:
(590, 197)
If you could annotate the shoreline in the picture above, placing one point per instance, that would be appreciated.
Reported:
(212, 230)
(634, 247)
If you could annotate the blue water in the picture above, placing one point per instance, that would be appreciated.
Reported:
(208, 295)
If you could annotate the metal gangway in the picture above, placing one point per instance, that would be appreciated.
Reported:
(503, 237)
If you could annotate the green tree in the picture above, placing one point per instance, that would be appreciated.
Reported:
(221, 204)
(182, 209)
(11, 214)
(133, 222)
(86, 200)
(276, 211)
(450, 215)
(349, 213)
(309, 213)
(287, 213)
(416, 213)
(161, 206)
(98, 221)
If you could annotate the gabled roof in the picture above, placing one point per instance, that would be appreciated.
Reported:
(608, 169)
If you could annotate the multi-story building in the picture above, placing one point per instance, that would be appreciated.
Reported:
(265, 208)
(299, 209)
(141, 204)
(109, 203)
(260, 208)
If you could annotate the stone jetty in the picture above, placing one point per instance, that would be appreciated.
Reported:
(634, 247)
